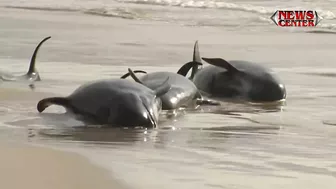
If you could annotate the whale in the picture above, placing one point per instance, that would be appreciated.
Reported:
(112, 103)
(32, 74)
(182, 94)
(234, 79)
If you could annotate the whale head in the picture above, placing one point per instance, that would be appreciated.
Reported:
(247, 80)
(144, 108)
(265, 88)
(139, 110)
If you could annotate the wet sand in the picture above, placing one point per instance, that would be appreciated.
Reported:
(25, 166)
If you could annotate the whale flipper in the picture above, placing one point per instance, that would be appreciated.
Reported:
(135, 71)
(221, 63)
(186, 67)
(32, 69)
(207, 102)
(202, 101)
(44, 103)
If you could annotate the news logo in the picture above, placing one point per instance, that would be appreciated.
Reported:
(296, 18)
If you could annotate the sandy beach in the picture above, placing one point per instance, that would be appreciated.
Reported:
(32, 167)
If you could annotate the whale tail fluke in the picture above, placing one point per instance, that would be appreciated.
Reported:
(45, 103)
(32, 71)
(194, 64)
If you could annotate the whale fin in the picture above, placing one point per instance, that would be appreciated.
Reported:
(160, 90)
(221, 63)
(163, 88)
(132, 74)
(32, 69)
(44, 103)
(196, 54)
(207, 102)
(135, 71)
(186, 67)
(196, 58)
(197, 61)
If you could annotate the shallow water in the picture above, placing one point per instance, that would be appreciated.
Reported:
(232, 146)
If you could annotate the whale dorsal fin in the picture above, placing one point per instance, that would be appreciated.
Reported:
(197, 61)
(32, 69)
(163, 88)
(196, 54)
(221, 63)
(135, 71)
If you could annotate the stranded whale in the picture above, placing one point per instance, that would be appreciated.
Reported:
(234, 79)
(113, 102)
(183, 92)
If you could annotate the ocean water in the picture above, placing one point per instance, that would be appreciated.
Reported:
(232, 146)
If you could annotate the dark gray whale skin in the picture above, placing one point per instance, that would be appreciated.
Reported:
(32, 74)
(183, 92)
(235, 79)
(113, 102)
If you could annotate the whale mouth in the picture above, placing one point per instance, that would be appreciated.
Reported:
(268, 92)
(149, 116)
